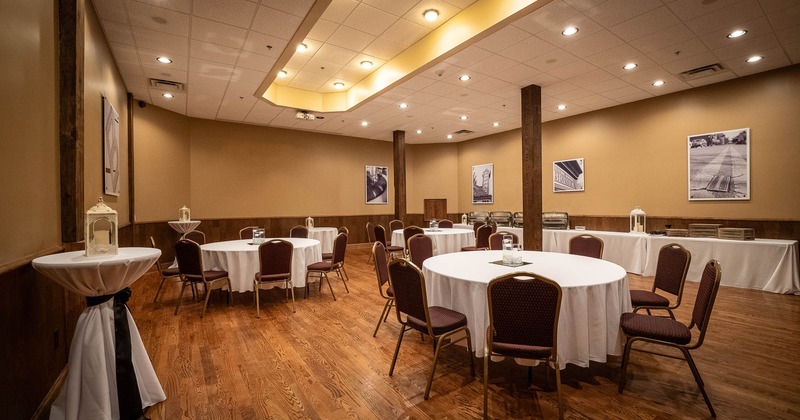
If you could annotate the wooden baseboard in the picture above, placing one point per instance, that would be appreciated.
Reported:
(43, 410)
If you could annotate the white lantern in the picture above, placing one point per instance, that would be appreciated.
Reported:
(101, 230)
(309, 222)
(184, 215)
(464, 219)
(638, 222)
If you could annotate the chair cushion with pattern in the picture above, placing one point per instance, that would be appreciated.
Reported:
(320, 266)
(519, 350)
(442, 320)
(171, 272)
(658, 328)
(647, 298)
(214, 275)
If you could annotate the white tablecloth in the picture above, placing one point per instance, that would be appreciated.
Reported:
(240, 260)
(445, 240)
(763, 264)
(594, 295)
(90, 390)
(626, 249)
(184, 226)
(325, 236)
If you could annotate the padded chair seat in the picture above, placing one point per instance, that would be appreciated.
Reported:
(658, 328)
(215, 275)
(392, 248)
(442, 320)
(171, 272)
(647, 298)
(327, 256)
(519, 350)
(274, 277)
(320, 266)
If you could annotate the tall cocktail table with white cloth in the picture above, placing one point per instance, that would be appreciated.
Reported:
(103, 374)
(183, 226)
(325, 236)
(595, 294)
(623, 248)
(240, 259)
(445, 240)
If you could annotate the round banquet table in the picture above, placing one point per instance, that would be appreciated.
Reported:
(594, 295)
(240, 260)
(445, 240)
(104, 371)
(325, 236)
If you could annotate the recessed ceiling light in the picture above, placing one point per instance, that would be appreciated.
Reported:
(464, 118)
(282, 73)
(168, 95)
(464, 77)
(569, 31)
(737, 33)
(302, 47)
(658, 83)
(403, 105)
(561, 107)
(449, 136)
(338, 85)
(755, 58)
(164, 60)
(630, 66)
(430, 15)
(419, 131)
(495, 124)
(366, 64)
(364, 123)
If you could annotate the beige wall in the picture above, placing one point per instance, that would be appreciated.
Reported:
(504, 151)
(101, 78)
(29, 168)
(429, 174)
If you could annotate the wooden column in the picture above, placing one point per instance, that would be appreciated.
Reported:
(532, 167)
(399, 152)
(131, 181)
(70, 85)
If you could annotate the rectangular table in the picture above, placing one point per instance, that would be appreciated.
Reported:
(628, 250)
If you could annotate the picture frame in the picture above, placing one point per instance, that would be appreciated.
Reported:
(483, 184)
(719, 165)
(111, 174)
(376, 185)
(568, 175)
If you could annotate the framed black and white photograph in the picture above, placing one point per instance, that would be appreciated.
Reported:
(377, 185)
(719, 165)
(110, 149)
(568, 175)
(483, 184)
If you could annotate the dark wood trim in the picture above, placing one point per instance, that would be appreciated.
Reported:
(399, 153)
(131, 183)
(532, 166)
(71, 130)
(14, 265)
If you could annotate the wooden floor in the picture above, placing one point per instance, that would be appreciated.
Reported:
(322, 362)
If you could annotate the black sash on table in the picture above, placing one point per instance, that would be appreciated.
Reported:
(130, 402)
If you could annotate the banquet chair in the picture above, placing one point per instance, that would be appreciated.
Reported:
(190, 264)
(420, 248)
(481, 239)
(336, 264)
(408, 232)
(476, 226)
(671, 333)
(370, 238)
(496, 239)
(344, 230)
(195, 236)
(380, 236)
(247, 232)
(275, 264)
(586, 245)
(328, 255)
(382, 273)
(671, 268)
(445, 224)
(441, 324)
(395, 225)
(165, 272)
(523, 323)
(298, 232)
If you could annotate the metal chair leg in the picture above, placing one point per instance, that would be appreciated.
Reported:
(698, 379)
(180, 298)
(486, 358)
(433, 369)
(625, 358)
(381, 318)
(327, 280)
(403, 329)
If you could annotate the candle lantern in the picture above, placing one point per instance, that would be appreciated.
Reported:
(184, 215)
(464, 219)
(309, 222)
(638, 222)
(101, 230)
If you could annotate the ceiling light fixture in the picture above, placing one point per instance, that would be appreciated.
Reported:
(364, 123)
(338, 85)
(302, 47)
(282, 73)
(168, 95)
(419, 131)
(464, 118)
(737, 33)
(562, 107)
(449, 136)
(464, 77)
(658, 83)
(430, 15)
(366, 64)
(630, 66)
(164, 60)
(755, 58)
(495, 124)
(403, 105)
(569, 31)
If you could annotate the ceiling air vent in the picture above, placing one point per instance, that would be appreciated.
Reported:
(167, 85)
(703, 71)
(464, 132)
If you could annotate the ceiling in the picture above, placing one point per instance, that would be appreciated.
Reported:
(223, 50)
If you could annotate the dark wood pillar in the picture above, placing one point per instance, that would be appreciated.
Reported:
(532, 167)
(70, 85)
(399, 148)
(131, 183)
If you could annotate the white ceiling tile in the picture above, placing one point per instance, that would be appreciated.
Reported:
(176, 104)
(793, 50)
(574, 69)
(318, 65)
(663, 38)
(264, 44)
(595, 102)
(638, 96)
(517, 73)
(213, 52)
(153, 40)
(148, 57)
(339, 10)
(183, 6)
(620, 54)
(786, 18)
(232, 12)
(441, 88)
(130, 69)
(369, 19)
(712, 79)
(726, 18)
(111, 10)
(541, 79)
(789, 36)
(647, 76)
(468, 56)
(295, 7)
(553, 14)
(586, 28)
(575, 94)
(210, 70)
(395, 7)
(202, 106)
(241, 74)
(255, 61)
(689, 63)
(297, 62)
(678, 51)
(746, 47)
(557, 88)
(305, 85)
(614, 12)
(310, 78)
(118, 32)
(527, 49)
(275, 22)
(334, 54)
(772, 6)
(383, 49)
(600, 41)
(350, 38)
(646, 24)
(551, 60)
(158, 72)
(405, 32)
(322, 30)
(616, 94)
(124, 53)
(446, 11)
(583, 5)
(503, 39)
(493, 65)
(417, 83)
(690, 9)
(141, 94)
(158, 19)
(773, 58)
(217, 33)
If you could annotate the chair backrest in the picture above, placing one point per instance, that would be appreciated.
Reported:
(381, 265)
(586, 245)
(408, 285)
(395, 224)
(339, 249)
(344, 230)
(190, 259)
(275, 257)
(496, 239)
(671, 269)
(247, 232)
(482, 237)
(370, 232)
(524, 309)
(493, 224)
(476, 226)
(380, 234)
(298, 232)
(706, 295)
(195, 236)
(445, 223)
(411, 231)
(420, 248)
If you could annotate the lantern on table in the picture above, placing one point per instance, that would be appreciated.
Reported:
(101, 230)
(464, 219)
(309, 222)
(184, 215)
(638, 222)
